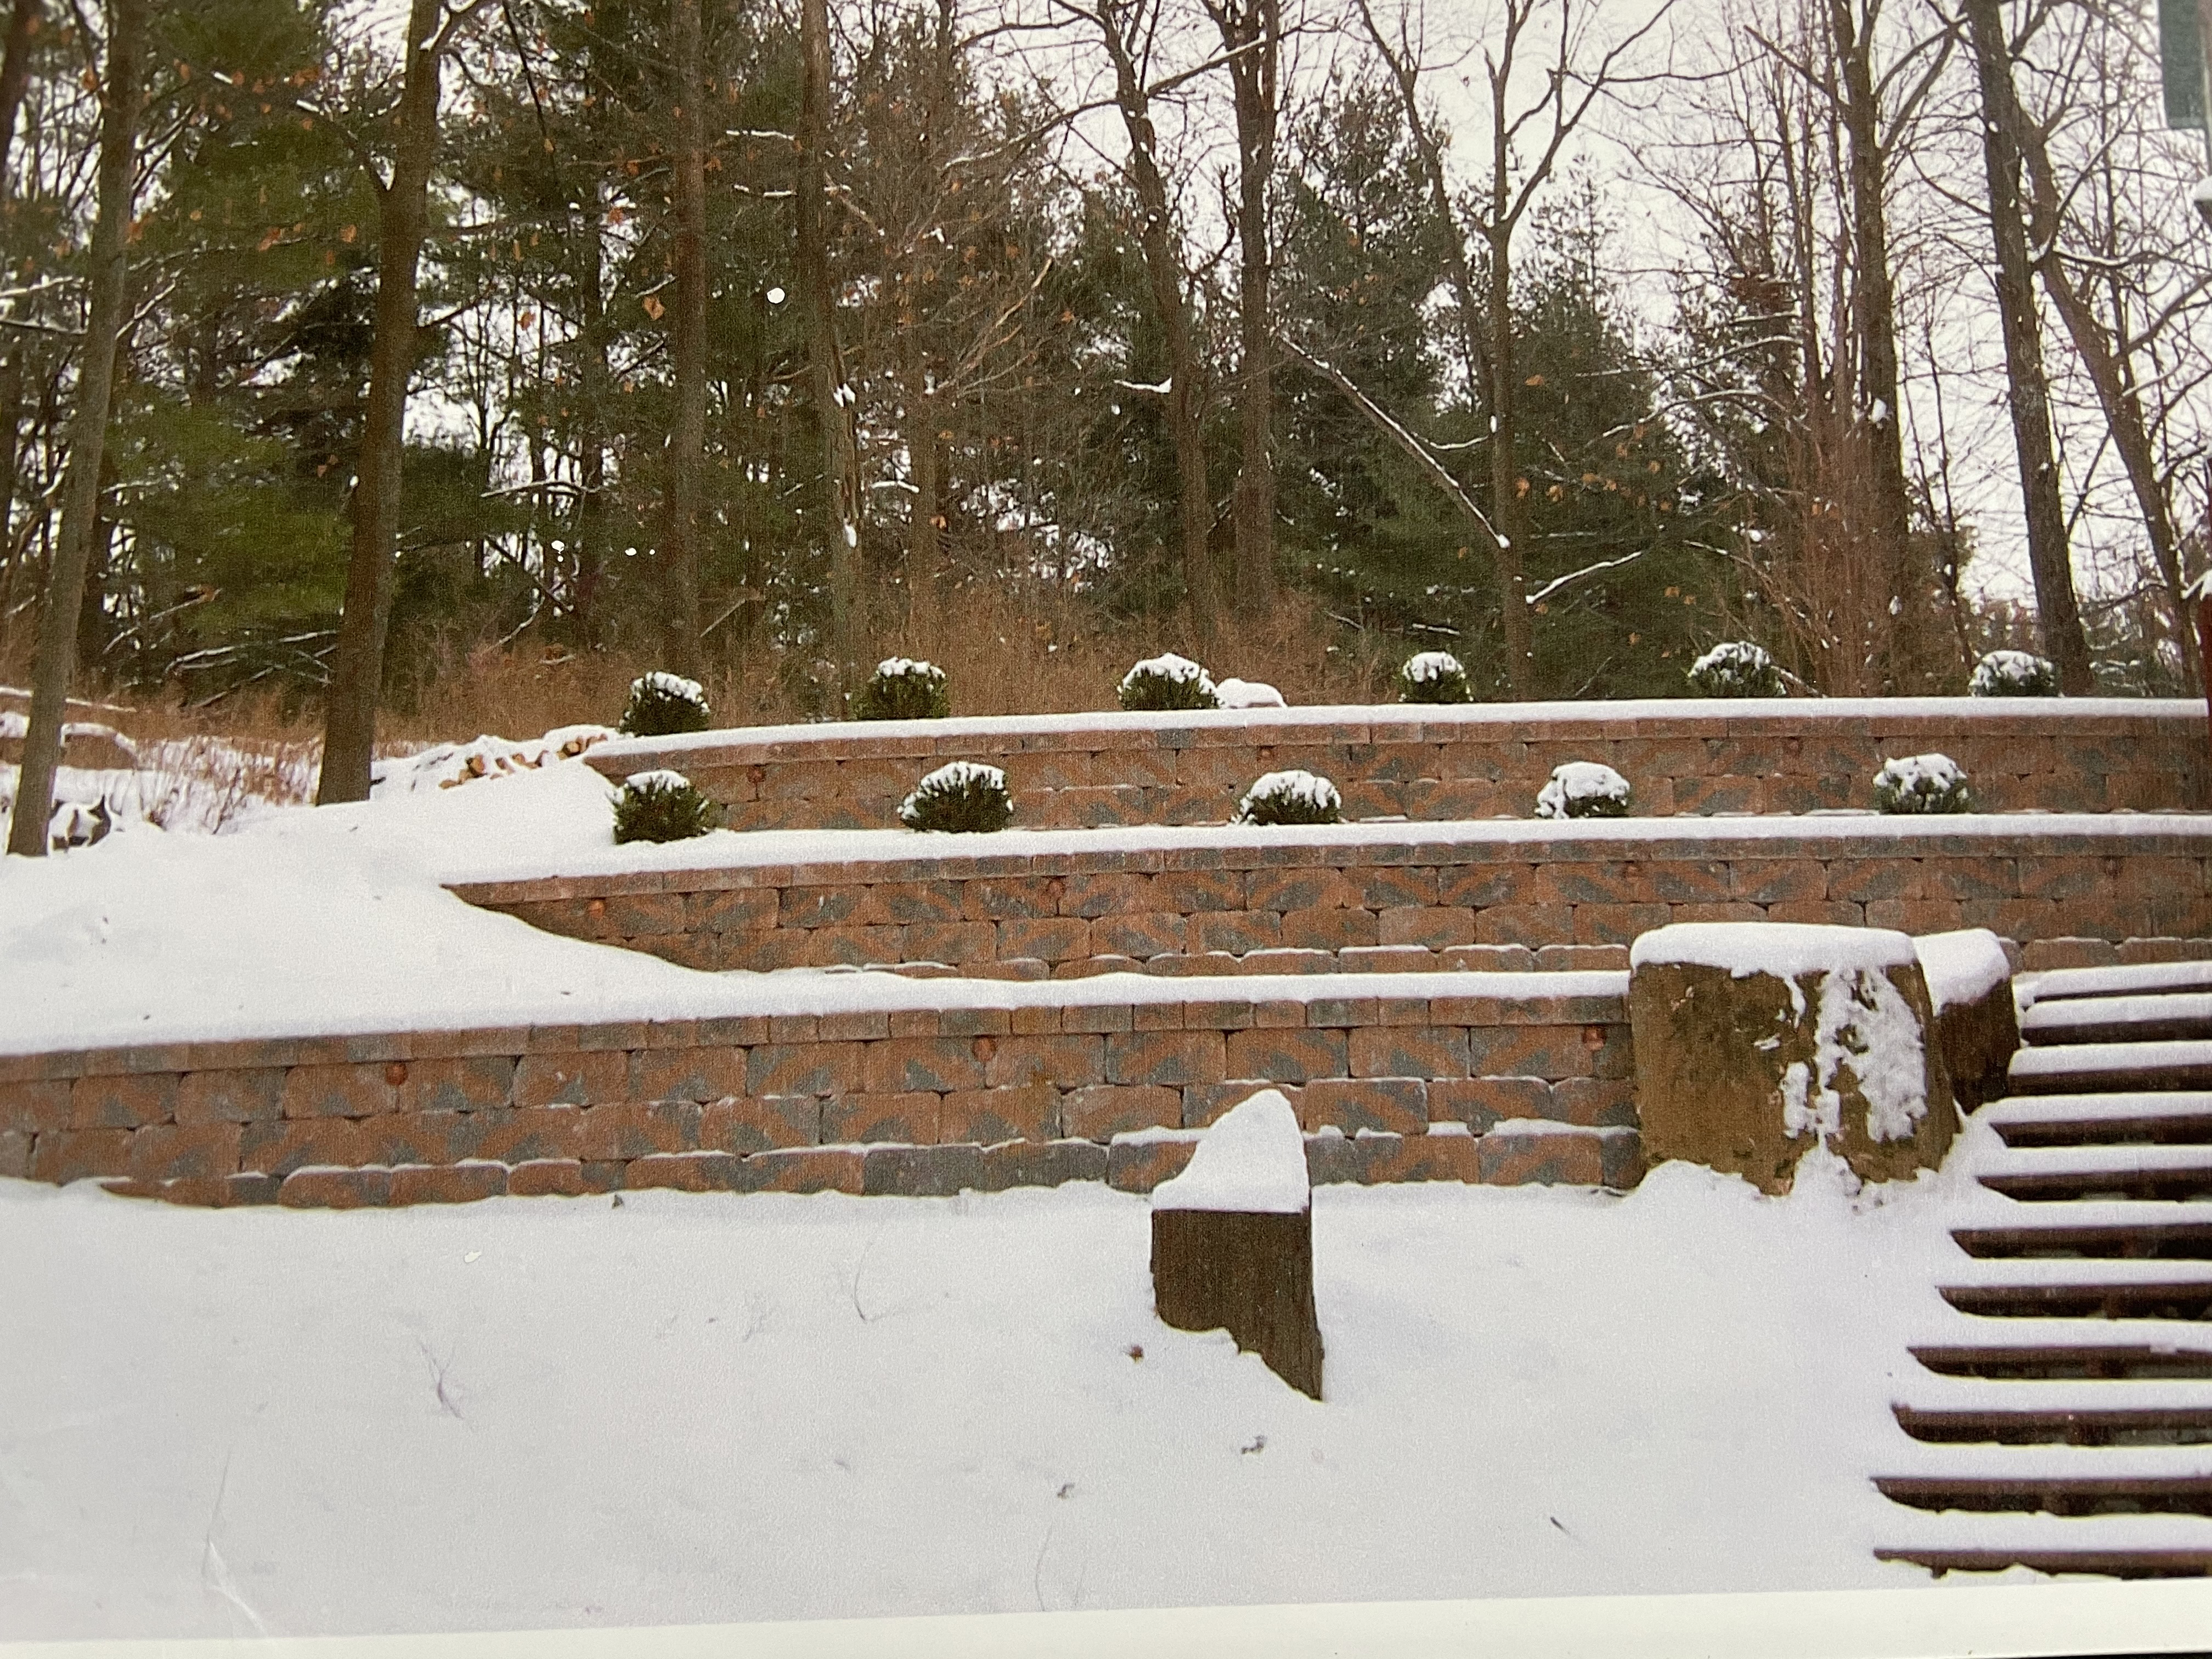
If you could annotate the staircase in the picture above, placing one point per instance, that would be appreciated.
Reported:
(2060, 1418)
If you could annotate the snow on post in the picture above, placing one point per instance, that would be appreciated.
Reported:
(1232, 1240)
(1755, 1041)
(1976, 1026)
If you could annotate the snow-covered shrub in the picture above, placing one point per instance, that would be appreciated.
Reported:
(2013, 674)
(1168, 681)
(1736, 668)
(1584, 789)
(902, 689)
(1433, 677)
(1922, 783)
(1291, 798)
(663, 705)
(964, 797)
(661, 806)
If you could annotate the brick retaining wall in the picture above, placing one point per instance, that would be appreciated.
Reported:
(1480, 896)
(917, 1101)
(1476, 761)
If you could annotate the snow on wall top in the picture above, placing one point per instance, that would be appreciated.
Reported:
(1962, 967)
(1785, 950)
(1500, 720)
(1253, 1159)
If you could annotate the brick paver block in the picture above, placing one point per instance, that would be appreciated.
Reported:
(447, 1183)
(922, 1171)
(546, 1177)
(1422, 1051)
(1593, 1103)
(699, 1074)
(1046, 939)
(1103, 1110)
(987, 1116)
(532, 1134)
(317, 1188)
(352, 1091)
(409, 1138)
(686, 1172)
(939, 1065)
(1338, 1160)
(245, 1095)
(1424, 1157)
(15, 1153)
(804, 1169)
(760, 1123)
(910, 1116)
(1166, 1058)
(1550, 1051)
(731, 910)
(278, 1149)
(1138, 1166)
(1287, 1055)
(25, 1108)
(1141, 934)
(592, 1077)
(124, 1102)
(460, 1084)
(1397, 1105)
(1621, 1159)
(636, 1129)
(166, 1152)
(1564, 1157)
(1480, 1102)
(1041, 1164)
(61, 1156)
(806, 1068)
(1068, 1060)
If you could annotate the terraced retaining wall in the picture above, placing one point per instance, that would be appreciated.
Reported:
(1529, 1085)
(1481, 761)
(1472, 895)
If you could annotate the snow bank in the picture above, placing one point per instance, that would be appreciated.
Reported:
(1253, 1158)
(1962, 967)
(1248, 694)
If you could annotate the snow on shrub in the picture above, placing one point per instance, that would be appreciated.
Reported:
(1168, 681)
(1433, 677)
(663, 705)
(1736, 668)
(1584, 789)
(661, 806)
(2013, 674)
(1922, 783)
(1291, 798)
(964, 798)
(1247, 694)
(902, 689)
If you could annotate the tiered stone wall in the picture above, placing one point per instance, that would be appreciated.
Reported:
(1534, 1085)
(1475, 897)
(1476, 761)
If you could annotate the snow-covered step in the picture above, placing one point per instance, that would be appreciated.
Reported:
(2109, 1545)
(2086, 1493)
(1941, 1328)
(1914, 1460)
(2123, 1157)
(2160, 1016)
(2135, 979)
(2070, 1174)
(2087, 1425)
(2001, 1272)
(2067, 1360)
(1926, 1391)
(2080, 1068)
(2103, 1297)
(2180, 1116)
(2085, 1236)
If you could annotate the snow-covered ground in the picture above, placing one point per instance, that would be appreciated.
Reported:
(547, 1412)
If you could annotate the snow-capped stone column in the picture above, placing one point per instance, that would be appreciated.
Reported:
(1232, 1240)
(1756, 1040)
(1976, 1026)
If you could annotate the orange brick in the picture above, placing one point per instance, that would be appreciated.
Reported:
(1480, 1102)
(1395, 1105)
(546, 1177)
(1286, 1055)
(988, 1117)
(1422, 1051)
(323, 1188)
(1545, 1051)
(247, 1095)
(1525, 924)
(805, 1169)
(1423, 1157)
(910, 1118)
(939, 1065)
(634, 1130)
(124, 1102)
(590, 1077)
(167, 1151)
(447, 1183)
(759, 1123)
(1329, 930)
(1138, 1166)
(28, 1107)
(688, 1074)
(1166, 1058)
(457, 1086)
(1435, 927)
(685, 1172)
(1566, 1157)
(358, 1091)
(1485, 885)
(1104, 1109)
(278, 1149)
(1140, 934)
(61, 1156)
(1068, 1061)
(806, 1068)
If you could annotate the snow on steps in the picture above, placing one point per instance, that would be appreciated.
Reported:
(2149, 1016)
(2062, 984)
(2077, 1068)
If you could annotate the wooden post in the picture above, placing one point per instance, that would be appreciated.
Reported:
(1232, 1241)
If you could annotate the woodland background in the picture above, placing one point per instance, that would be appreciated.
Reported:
(758, 340)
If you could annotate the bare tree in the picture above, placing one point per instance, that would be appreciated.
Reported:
(1551, 44)
(121, 92)
(434, 28)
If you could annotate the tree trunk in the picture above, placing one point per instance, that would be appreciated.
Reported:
(15, 75)
(403, 213)
(2029, 389)
(1164, 275)
(587, 596)
(1247, 1273)
(2118, 392)
(687, 442)
(108, 273)
(1251, 31)
(1875, 303)
(834, 401)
